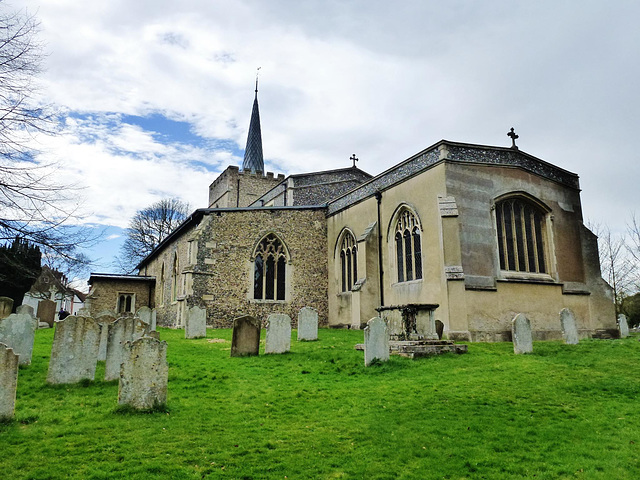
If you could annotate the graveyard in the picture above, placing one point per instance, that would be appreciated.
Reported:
(316, 411)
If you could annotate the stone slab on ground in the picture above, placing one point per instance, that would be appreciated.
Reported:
(421, 348)
(144, 374)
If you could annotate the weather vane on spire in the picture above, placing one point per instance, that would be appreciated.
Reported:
(257, 73)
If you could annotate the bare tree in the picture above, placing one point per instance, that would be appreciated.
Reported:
(619, 268)
(148, 228)
(33, 205)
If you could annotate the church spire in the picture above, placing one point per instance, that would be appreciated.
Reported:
(253, 161)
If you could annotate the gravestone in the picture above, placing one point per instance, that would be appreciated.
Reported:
(439, 329)
(308, 324)
(376, 341)
(521, 332)
(105, 320)
(569, 328)
(8, 381)
(623, 325)
(123, 330)
(27, 309)
(195, 325)
(145, 314)
(278, 337)
(18, 332)
(47, 311)
(144, 374)
(74, 353)
(245, 340)
(154, 322)
(153, 334)
(6, 307)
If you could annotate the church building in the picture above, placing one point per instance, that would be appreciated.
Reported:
(461, 236)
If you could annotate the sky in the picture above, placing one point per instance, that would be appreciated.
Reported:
(156, 95)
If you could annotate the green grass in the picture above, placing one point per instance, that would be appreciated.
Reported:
(566, 411)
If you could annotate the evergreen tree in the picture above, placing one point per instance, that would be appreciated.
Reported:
(20, 267)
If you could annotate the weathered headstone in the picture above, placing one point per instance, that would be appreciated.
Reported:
(245, 340)
(376, 341)
(307, 324)
(623, 325)
(195, 325)
(74, 353)
(154, 322)
(123, 330)
(521, 333)
(569, 328)
(8, 381)
(278, 337)
(47, 311)
(27, 309)
(144, 314)
(18, 332)
(144, 374)
(6, 307)
(439, 329)
(105, 320)
(153, 334)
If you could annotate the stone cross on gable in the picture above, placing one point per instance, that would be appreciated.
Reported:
(354, 159)
(513, 136)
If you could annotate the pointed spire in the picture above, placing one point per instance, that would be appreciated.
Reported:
(253, 160)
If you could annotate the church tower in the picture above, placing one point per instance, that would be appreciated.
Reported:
(253, 160)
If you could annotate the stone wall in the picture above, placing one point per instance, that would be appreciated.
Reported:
(217, 267)
(104, 294)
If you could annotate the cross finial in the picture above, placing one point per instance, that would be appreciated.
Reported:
(513, 136)
(354, 159)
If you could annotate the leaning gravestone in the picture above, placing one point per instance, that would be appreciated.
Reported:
(6, 307)
(376, 341)
(105, 320)
(521, 332)
(278, 338)
(47, 311)
(439, 329)
(569, 329)
(123, 330)
(74, 353)
(308, 324)
(144, 374)
(18, 332)
(196, 323)
(623, 325)
(245, 340)
(8, 381)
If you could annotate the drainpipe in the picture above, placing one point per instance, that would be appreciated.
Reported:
(380, 270)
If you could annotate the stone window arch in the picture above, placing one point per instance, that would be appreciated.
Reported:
(270, 260)
(407, 242)
(174, 278)
(348, 253)
(126, 303)
(521, 230)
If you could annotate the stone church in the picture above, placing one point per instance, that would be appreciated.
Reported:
(459, 235)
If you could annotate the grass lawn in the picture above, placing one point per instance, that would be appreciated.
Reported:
(566, 411)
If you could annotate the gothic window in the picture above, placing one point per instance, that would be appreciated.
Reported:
(520, 229)
(126, 303)
(174, 279)
(348, 261)
(269, 273)
(408, 244)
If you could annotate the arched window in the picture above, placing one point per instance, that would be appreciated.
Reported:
(408, 247)
(269, 273)
(162, 284)
(348, 261)
(125, 303)
(174, 279)
(520, 227)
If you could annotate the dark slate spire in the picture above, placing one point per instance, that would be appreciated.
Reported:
(253, 161)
